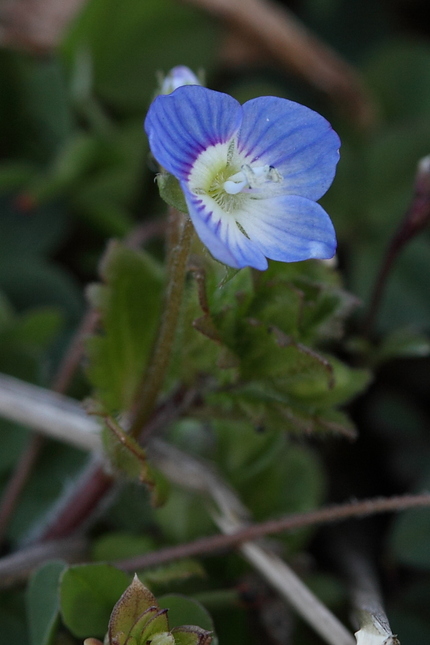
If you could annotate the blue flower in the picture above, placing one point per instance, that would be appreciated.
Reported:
(251, 174)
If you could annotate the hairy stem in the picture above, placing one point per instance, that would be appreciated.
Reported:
(214, 544)
(158, 365)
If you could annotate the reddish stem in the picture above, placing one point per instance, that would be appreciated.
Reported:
(216, 543)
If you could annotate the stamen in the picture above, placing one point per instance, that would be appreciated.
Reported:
(251, 177)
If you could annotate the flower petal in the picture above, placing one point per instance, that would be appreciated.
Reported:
(289, 228)
(183, 124)
(297, 141)
(220, 234)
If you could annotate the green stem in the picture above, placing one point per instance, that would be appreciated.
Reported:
(162, 351)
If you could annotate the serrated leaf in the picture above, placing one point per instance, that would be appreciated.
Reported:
(129, 303)
(88, 592)
(43, 602)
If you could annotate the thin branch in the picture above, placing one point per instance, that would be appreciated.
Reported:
(35, 25)
(53, 415)
(231, 516)
(18, 480)
(214, 544)
(415, 220)
(73, 356)
(17, 567)
(29, 457)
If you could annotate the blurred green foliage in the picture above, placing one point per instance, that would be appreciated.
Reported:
(269, 352)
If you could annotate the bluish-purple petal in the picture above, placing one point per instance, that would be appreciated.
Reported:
(289, 228)
(297, 141)
(221, 235)
(183, 124)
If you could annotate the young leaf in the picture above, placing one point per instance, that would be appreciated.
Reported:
(191, 635)
(129, 303)
(137, 602)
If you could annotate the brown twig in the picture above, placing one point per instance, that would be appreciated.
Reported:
(35, 26)
(17, 567)
(214, 544)
(417, 218)
(279, 34)
(18, 480)
(94, 484)
(28, 459)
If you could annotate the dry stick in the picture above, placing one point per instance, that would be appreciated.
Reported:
(216, 543)
(17, 567)
(64, 419)
(30, 455)
(374, 627)
(191, 473)
(35, 26)
(278, 32)
(95, 483)
(230, 515)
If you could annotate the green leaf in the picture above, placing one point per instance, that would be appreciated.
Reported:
(124, 41)
(407, 343)
(129, 303)
(88, 594)
(152, 628)
(34, 232)
(185, 611)
(399, 74)
(174, 572)
(43, 603)
(41, 84)
(171, 191)
(119, 545)
(32, 282)
(191, 635)
(35, 329)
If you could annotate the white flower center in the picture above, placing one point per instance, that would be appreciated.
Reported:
(222, 175)
(250, 177)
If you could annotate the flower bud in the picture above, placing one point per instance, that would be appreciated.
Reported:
(177, 77)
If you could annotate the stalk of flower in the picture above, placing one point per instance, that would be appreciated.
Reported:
(251, 174)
